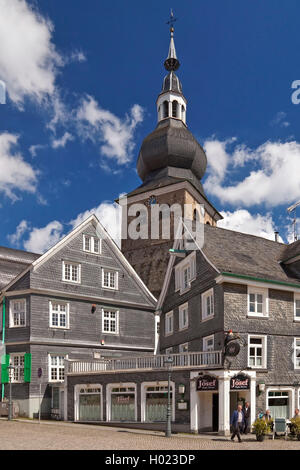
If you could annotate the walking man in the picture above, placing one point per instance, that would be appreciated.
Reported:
(247, 413)
(237, 423)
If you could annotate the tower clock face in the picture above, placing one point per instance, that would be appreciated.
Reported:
(152, 200)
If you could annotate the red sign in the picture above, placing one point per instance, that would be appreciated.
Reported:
(207, 383)
(240, 382)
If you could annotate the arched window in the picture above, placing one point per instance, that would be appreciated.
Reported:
(158, 112)
(166, 109)
(183, 113)
(174, 108)
(195, 215)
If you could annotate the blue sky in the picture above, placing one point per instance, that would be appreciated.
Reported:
(81, 88)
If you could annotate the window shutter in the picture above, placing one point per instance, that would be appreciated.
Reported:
(4, 369)
(27, 367)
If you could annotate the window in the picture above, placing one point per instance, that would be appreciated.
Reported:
(297, 307)
(110, 321)
(91, 244)
(257, 302)
(208, 304)
(209, 343)
(257, 351)
(56, 368)
(109, 279)
(59, 315)
(169, 323)
(185, 272)
(71, 272)
(174, 108)
(183, 316)
(183, 348)
(17, 361)
(17, 313)
(278, 402)
(165, 109)
(169, 351)
(297, 353)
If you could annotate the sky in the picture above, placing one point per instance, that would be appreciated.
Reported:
(82, 78)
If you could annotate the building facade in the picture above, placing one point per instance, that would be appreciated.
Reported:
(80, 300)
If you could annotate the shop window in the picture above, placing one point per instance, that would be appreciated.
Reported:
(122, 403)
(279, 403)
(156, 402)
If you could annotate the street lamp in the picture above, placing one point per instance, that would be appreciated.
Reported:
(168, 362)
(10, 372)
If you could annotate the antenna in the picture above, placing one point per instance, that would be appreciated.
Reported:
(294, 223)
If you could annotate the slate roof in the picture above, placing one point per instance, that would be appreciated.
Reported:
(12, 263)
(291, 250)
(246, 255)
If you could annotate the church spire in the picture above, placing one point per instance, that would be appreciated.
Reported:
(171, 103)
(172, 63)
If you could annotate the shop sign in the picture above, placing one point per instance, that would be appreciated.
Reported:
(207, 383)
(232, 349)
(240, 382)
(182, 405)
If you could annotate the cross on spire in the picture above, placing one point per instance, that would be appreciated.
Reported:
(171, 20)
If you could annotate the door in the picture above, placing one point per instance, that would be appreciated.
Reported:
(215, 412)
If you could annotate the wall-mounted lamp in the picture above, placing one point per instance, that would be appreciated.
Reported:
(93, 309)
(261, 387)
(102, 342)
(181, 389)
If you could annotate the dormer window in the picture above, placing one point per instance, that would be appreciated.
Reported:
(91, 244)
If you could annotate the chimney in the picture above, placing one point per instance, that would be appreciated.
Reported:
(276, 236)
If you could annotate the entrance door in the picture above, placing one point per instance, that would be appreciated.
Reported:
(215, 412)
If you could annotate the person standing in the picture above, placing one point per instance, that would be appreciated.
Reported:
(237, 423)
(247, 414)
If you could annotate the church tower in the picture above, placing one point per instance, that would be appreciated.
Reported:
(171, 164)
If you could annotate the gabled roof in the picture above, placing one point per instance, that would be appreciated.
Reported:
(12, 263)
(242, 255)
(102, 234)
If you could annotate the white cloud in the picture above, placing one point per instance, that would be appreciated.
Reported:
(41, 239)
(15, 174)
(20, 230)
(112, 134)
(34, 149)
(272, 180)
(253, 224)
(29, 62)
(109, 215)
(280, 120)
(58, 143)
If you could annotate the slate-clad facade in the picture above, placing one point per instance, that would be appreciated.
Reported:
(83, 333)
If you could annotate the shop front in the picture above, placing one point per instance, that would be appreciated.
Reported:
(121, 402)
(214, 396)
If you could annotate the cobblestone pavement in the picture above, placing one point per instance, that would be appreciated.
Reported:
(22, 435)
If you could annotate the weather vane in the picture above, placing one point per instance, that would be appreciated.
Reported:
(171, 20)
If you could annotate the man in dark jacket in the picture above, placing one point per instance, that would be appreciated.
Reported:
(237, 422)
(247, 415)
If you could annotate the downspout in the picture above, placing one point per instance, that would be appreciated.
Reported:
(3, 338)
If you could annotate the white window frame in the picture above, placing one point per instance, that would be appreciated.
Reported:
(295, 353)
(58, 367)
(169, 351)
(144, 388)
(264, 351)
(116, 287)
(168, 331)
(265, 307)
(182, 308)
(67, 314)
(189, 263)
(18, 368)
(205, 341)
(77, 393)
(109, 393)
(12, 311)
(208, 294)
(183, 348)
(92, 244)
(72, 264)
(296, 297)
(116, 320)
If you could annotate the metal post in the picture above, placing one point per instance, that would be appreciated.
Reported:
(168, 433)
(40, 394)
(10, 371)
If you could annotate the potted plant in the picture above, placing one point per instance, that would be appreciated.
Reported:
(261, 428)
(295, 427)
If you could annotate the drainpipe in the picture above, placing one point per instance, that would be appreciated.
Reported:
(3, 338)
